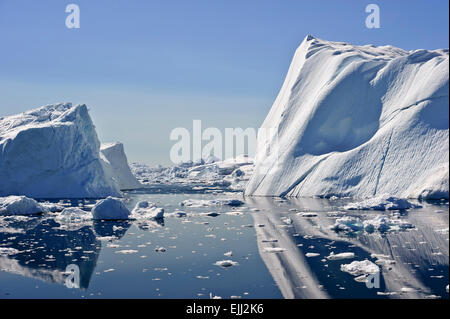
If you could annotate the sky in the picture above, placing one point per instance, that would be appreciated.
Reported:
(145, 67)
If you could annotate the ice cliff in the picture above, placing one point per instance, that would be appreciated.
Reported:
(116, 166)
(357, 121)
(53, 152)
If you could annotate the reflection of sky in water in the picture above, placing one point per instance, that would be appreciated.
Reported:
(119, 259)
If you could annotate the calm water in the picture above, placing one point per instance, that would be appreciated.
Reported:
(122, 259)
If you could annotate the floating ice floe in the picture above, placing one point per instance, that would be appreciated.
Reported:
(110, 209)
(6, 251)
(287, 220)
(212, 202)
(384, 223)
(147, 210)
(340, 256)
(226, 263)
(383, 202)
(380, 223)
(73, 218)
(127, 251)
(358, 268)
(22, 205)
(348, 224)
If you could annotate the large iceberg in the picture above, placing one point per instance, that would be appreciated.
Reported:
(116, 166)
(357, 121)
(52, 152)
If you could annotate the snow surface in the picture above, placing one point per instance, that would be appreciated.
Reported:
(110, 209)
(52, 152)
(116, 165)
(357, 121)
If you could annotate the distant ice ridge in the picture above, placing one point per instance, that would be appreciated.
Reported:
(233, 173)
(357, 121)
(54, 152)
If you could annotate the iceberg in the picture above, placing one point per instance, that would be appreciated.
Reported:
(116, 166)
(358, 121)
(52, 152)
(110, 209)
(22, 205)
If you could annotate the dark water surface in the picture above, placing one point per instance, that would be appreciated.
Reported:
(92, 259)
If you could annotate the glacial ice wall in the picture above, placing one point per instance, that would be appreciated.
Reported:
(357, 121)
(116, 165)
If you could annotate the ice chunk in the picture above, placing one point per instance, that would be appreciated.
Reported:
(127, 251)
(340, 256)
(382, 223)
(347, 223)
(212, 202)
(383, 202)
(21, 205)
(147, 210)
(73, 218)
(110, 208)
(358, 268)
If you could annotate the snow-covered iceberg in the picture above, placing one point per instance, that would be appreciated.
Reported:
(110, 209)
(22, 205)
(116, 166)
(357, 121)
(52, 152)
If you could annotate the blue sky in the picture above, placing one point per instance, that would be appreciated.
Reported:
(146, 67)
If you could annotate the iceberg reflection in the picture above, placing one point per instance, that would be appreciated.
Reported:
(414, 263)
